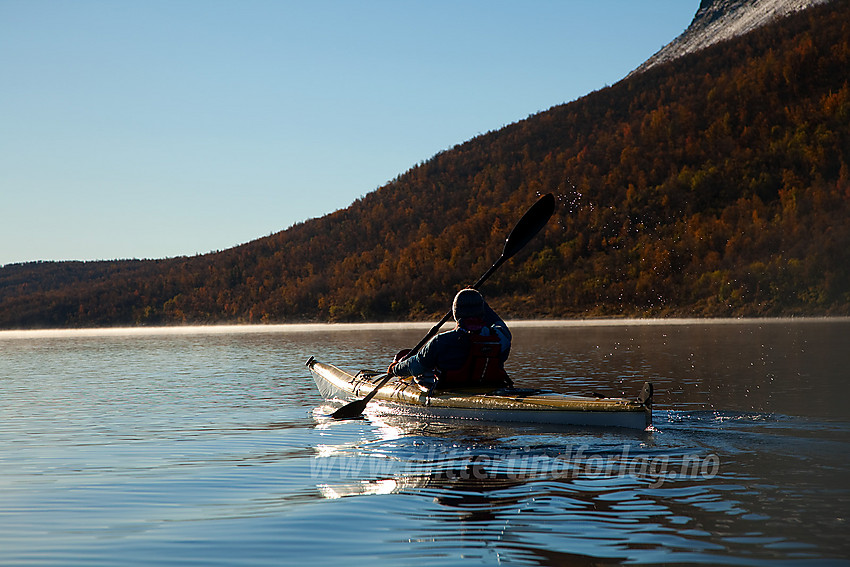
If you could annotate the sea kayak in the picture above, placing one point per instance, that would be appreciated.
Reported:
(518, 405)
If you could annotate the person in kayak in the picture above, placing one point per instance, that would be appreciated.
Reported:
(472, 354)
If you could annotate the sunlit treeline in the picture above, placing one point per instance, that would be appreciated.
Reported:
(714, 185)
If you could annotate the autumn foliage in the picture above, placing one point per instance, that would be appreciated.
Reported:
(714, 185)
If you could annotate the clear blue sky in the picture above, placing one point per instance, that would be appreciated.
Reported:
(157, 128)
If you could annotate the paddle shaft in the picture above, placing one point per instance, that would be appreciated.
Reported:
(356, 407)
(528, 226)
(436, 328)
(534, 219)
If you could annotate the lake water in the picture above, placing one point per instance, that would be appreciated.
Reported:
(210, 446)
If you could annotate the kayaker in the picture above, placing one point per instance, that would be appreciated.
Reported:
(470, 355)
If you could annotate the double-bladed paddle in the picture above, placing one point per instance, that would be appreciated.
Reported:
(528, 226)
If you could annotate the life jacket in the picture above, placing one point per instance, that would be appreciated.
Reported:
(483, 365)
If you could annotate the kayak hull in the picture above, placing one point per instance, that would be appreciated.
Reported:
(515, 405)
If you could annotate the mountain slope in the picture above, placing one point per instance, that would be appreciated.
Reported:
(716, 184)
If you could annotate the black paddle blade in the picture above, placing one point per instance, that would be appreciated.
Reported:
(350, 411)
(355, 408)
(529, 225)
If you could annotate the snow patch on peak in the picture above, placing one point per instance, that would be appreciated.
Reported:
(719, 20)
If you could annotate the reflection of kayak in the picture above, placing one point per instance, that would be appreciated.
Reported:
(401, 397)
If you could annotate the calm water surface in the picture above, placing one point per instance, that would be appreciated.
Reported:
(211, 446)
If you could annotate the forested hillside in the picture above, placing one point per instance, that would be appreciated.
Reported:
(717, 184)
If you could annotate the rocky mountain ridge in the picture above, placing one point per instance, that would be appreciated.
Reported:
(721, 20)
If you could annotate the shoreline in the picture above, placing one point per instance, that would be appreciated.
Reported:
(350, 327)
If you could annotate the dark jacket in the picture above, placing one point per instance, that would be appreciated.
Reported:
(450, 350)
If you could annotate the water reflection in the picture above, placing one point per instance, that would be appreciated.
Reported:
(687, 491)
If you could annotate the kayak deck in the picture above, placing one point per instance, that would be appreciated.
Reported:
(403, 397)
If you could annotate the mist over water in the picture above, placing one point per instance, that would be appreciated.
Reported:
(211, 445)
